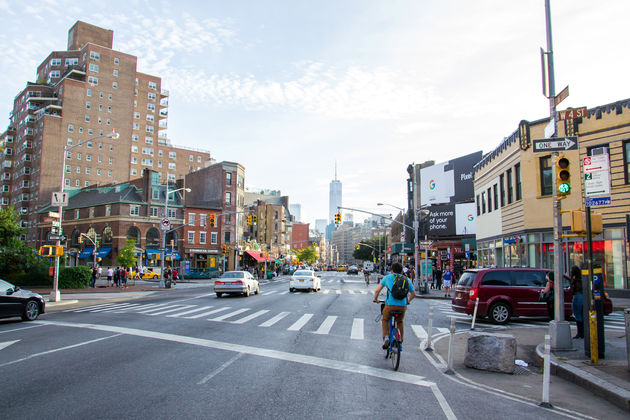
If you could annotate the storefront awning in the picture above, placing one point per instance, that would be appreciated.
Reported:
(103, 252)
(152, 251)
(256, 255)
(172, 254)
(86, 253)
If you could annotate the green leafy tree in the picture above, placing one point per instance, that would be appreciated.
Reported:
(307, 255)
(370, 248)
(15, 257)
(127, 255)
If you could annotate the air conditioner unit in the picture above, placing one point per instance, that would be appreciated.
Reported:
(599, 151)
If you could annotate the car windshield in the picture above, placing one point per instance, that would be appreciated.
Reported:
(303, 273)
(233, 275)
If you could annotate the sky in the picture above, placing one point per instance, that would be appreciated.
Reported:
(289, 88)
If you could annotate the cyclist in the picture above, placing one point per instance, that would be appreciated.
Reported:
(366, 273)
(392, 304)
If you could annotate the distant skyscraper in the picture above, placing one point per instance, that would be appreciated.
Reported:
(296, 211)
(320, 225)
(334, 200)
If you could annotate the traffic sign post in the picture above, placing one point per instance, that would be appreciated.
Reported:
(596, 176)
(572, 113)
(556, 144)
(165, 224)
(59, 199)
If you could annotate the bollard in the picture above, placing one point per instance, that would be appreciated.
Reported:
(428, 347)
(472, 327)
(592, 329)
(451, 342)
(546, 373)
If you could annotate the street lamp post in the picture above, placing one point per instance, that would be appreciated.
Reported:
(55, 295)
(163, 249)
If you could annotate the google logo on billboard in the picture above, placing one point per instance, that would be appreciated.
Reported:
(432, 184)
(470, 218)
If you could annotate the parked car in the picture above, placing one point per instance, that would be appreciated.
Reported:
(507, 292)
(236, 282)
(147, 273)
(18, 302)
(353, 269)
(306, 280)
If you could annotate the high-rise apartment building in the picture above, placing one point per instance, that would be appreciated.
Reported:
(81, 95)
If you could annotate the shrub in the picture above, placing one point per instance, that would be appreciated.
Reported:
(37, 275)
(75, 277)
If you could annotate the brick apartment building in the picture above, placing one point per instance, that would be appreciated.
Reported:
(81, 95)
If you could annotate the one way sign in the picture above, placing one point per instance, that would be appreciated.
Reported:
(59, 199)
(558, 144)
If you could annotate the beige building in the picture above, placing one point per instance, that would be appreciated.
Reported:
(81, 95)
(513, 191)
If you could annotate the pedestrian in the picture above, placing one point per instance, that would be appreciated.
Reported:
(116, 276)
(110, 277)
(447, 278)
(123, 277)
(547, 294)
(175, 275)
(438, 278)
(93, 279)
(578, 300)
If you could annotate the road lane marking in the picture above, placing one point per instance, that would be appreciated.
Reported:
(339, 365)
(275, 319)
(326, 291)
(87, 308)
(271, 292)
(19, 329)
(177, 315)
(144, 310)
(231, 314)
(59, 349)
(357, 329)
(7, 344)
(448, 412)
(207, 313)
(103, 307)
(220, 369)
(338, 292)
(351, 292)
(419, 331)
(168, 311)
(284, 293)
(326, 325)
(300, 322)
(250, 317)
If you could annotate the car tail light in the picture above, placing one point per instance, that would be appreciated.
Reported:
(473, 294)
(219, 282)
(238, 282)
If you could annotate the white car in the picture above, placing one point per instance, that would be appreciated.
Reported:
(241, 282)
(305, 280)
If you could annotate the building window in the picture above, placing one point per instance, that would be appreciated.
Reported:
(510, 187)
(213, 238)
(151, 107)
(495, 195)
(151, 96)
(483, 203)
(478, 206)
(226, 238)
(228, 198)
(134, 210)
(94, 68)
(152, 85)
(70, 128)
(191, 237)
(202, 237)
(489, 200)
(172, 165)
(94, 55)
(191, 218)
(93, 80)
(134, 172)
(228, 178)
(89, 92)
(546, 176)
(115, 72)
(87, 105)
(155, 212)
(517, 180)
(115, 85)
(116, 60)
(626, 160)
(172, 213)
(202, 219)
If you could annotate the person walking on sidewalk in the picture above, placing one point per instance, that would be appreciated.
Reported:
(578, 301)
(447, 277)
(93, 279)
(548, 297)
(110, 277)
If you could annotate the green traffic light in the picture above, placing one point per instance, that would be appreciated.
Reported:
(564, 188)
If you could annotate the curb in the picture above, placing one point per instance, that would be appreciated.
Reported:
(61, 303)
(600, 387)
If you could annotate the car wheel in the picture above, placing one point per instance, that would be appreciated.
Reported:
(155, 277)
(31, 311)
(257, 290)
(219, 294)
(291, 289)
(247, 293)
(500, 313)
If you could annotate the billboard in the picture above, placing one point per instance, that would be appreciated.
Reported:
(451, 220)
(448, 182)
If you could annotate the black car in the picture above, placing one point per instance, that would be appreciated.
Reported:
(17, 302)
(353, 269)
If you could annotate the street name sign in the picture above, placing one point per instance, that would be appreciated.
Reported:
(61, 238)
(572, 113)
(59, 199)
(559, 144)
(596, 176)
(561, 96)
(426, 244)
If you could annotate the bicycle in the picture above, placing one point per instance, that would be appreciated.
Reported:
(395, 343)
(366, 274)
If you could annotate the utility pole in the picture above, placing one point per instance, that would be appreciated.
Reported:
(560, 330)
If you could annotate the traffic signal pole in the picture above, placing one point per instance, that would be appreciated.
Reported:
(559, 329)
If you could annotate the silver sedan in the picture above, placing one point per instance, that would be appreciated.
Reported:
(238, 282)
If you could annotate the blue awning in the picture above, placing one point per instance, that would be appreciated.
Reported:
(86, 253)
(103, 252)
(172, 254)
(152, 251)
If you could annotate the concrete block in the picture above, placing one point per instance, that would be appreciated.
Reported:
(493, 352)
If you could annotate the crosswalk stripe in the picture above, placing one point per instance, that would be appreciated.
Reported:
(443, 330)
(168, 311)
(229, 315)
(95, 307)
(177, 315)
(357, 329)
(326, 291)
(152, 306)
(284, 293)
(201, 315)
(157, 309)
(118, 308)
(250, 317)
(275, 319)
(326, 325)
(351, 292)
(364, 292)
(419, 331)
(300, 322)
(338, 292)
(271, 292)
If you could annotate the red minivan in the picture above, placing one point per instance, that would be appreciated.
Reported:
(504, 293)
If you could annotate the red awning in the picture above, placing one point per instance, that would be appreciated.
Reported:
(256, 255)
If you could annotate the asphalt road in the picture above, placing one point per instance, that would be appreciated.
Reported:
(187, 354)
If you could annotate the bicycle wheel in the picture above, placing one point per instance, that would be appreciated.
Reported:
(395, 354)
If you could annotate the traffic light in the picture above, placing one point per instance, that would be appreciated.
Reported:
(80, 240)
(358, 246)
(337, 218)
(563, 175)
(224, 249)
(172, 243)
(254, 219)
(249, 220)
(212, 220)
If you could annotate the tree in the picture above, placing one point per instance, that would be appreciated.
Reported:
(371, 248)
(15, 257)
(307, 255)
(127, 255)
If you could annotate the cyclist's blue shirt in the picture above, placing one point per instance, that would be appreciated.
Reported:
(388, 282)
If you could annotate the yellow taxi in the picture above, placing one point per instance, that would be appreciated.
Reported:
(147, 273)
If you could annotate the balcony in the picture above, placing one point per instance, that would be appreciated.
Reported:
(163, 114)
(163, 124)
(164, 93)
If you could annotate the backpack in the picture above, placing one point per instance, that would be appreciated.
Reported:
(400, 287)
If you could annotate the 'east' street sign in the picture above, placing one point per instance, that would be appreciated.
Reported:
(558, 144)
(598, 201)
